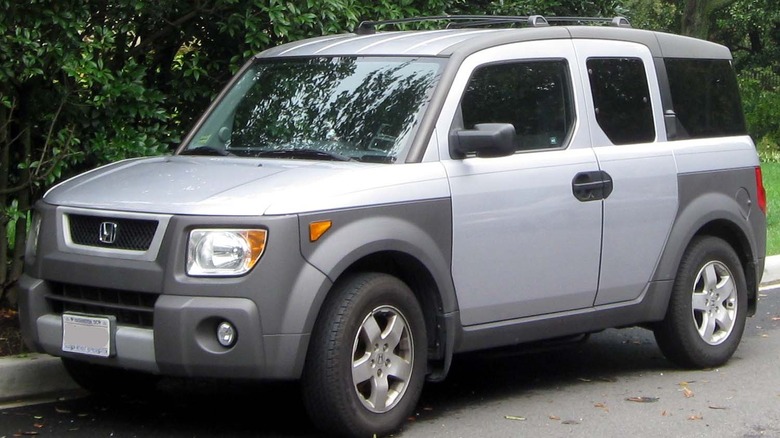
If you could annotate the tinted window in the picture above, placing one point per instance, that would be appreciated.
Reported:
(622, 99)
(534, 96)
(706, 99)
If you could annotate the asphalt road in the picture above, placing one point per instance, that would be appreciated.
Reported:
(616, 384)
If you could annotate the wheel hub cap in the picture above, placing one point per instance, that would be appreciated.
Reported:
(714, 303)
(382, 358)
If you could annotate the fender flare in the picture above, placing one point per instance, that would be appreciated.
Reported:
(421, 230)
(694, 217)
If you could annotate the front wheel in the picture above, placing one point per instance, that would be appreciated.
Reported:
(367, 357)
(708, 307)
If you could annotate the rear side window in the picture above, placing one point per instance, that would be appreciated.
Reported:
(622, 99)
(534, 96)
(706, 98)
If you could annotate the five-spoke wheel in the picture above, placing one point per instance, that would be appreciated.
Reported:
(708, 307)
(714, 305)
(366, 362)
(382, 359)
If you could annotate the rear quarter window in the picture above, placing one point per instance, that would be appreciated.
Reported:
(706, 98)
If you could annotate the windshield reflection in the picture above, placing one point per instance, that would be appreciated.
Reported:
(335, 108)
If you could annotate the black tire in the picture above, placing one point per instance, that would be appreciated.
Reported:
(101, 379)
(344, 405)
(708, 307)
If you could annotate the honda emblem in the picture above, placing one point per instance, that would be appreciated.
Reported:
(108, 232)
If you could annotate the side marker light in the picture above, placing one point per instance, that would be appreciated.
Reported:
(317, 229)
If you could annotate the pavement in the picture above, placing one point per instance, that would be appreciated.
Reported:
(33, 377)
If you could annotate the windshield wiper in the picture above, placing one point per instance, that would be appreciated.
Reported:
(205, 150)
(307, 154)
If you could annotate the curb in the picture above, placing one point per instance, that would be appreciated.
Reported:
(37, 375)
(771, 271)
(32, 375)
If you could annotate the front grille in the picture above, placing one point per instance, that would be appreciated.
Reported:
(130, 234)
(129, 307)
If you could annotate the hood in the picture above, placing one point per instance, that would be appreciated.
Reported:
(190, 185)
(227, 186)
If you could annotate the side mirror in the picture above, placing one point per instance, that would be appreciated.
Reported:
(485, 140)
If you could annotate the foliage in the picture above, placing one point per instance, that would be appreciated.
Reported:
(12, 214)
(83, 83)
(70, 101)
(771, 174)
(581, 8)
(751, 28)
(697, 16)
(660, 15)
(761, 103)
(768, 150)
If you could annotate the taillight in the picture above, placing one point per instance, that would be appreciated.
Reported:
(760, 191)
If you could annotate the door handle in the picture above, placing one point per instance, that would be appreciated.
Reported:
(591, 186)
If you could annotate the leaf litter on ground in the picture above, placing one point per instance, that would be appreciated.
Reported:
(642, 399)
(686, 390)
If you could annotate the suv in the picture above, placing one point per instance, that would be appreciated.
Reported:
(353, 210)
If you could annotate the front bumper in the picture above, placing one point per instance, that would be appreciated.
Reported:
(167, 320)
(182, 341)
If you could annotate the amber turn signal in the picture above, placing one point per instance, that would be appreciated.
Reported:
(317, 229)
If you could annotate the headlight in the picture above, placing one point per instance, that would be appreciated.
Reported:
(223, 252)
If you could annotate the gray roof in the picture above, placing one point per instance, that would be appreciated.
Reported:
(464, 41)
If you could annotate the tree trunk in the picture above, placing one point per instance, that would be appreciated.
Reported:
(20, 244)
(4, 175)
(697, 16)
(23, 197)
(756, 46)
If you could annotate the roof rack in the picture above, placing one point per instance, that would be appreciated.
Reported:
(460, 21)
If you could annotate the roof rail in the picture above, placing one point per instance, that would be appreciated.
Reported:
(460, 21)
(614, 21)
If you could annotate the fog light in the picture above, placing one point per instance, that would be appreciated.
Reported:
(226, 334)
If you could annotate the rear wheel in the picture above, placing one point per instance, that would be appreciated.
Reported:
(708, 307)
(367, 357)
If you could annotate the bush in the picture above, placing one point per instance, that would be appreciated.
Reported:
(768, 149)
(761, 102)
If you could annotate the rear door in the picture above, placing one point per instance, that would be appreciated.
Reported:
(625, 119)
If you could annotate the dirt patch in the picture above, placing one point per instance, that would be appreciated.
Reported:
(11, 342)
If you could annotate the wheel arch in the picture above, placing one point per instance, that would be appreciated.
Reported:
(420, 280)
(724, 219)
(737, 239)
(392, 240)
(415, 274)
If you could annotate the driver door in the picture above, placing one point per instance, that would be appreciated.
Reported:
(523, 243)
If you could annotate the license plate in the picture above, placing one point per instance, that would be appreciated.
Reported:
(88, 335)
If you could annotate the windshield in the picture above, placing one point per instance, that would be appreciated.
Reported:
(335, 108)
